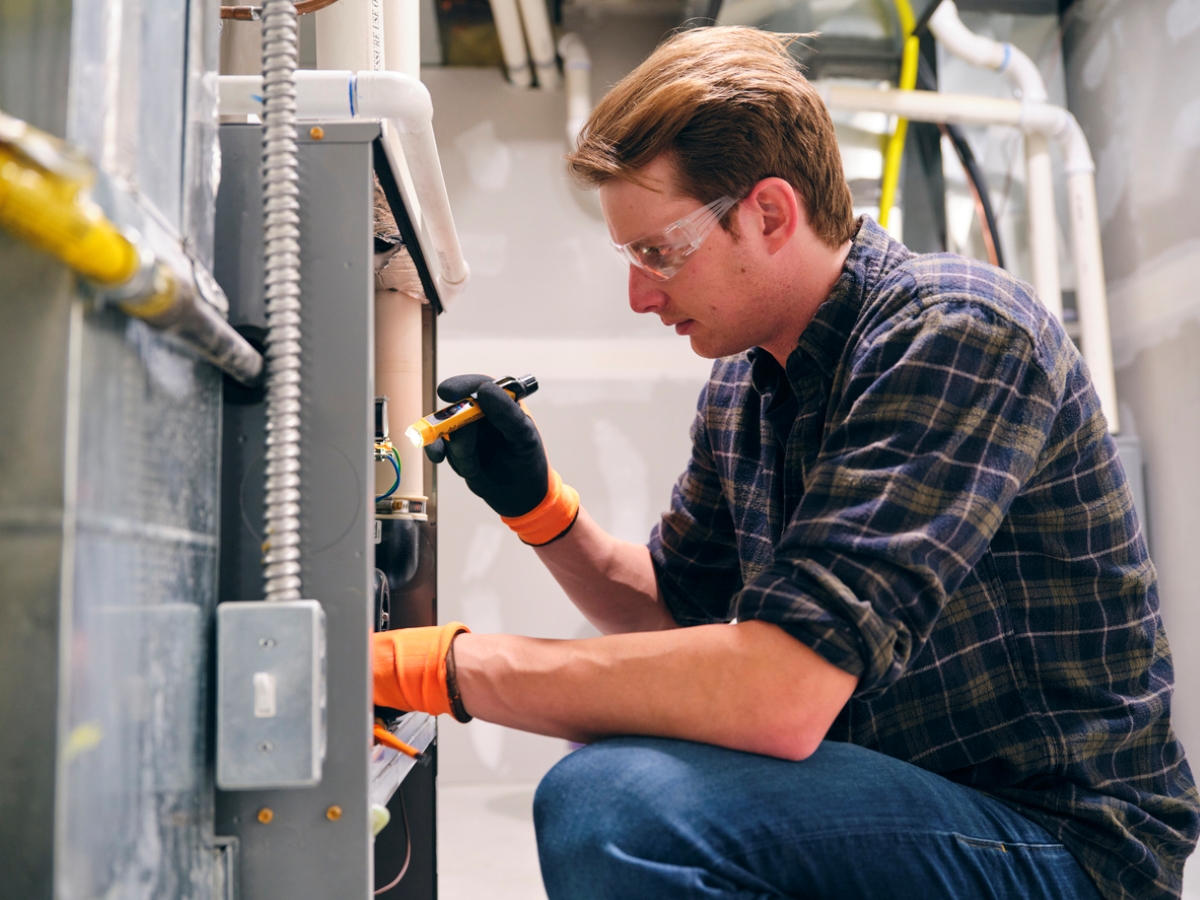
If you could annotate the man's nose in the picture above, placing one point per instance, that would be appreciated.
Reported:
(644, 293)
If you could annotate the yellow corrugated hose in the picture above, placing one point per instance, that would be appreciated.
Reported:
(895, 144)
(50, 212)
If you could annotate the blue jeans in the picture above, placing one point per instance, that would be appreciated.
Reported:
(653, 819)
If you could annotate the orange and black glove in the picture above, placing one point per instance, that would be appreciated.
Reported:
(502, 460)
(414, 670)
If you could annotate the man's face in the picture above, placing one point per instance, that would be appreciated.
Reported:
(712, 298)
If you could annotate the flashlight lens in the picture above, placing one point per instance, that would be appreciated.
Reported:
(415, 436)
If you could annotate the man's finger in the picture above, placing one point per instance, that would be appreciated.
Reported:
(436, 451)
(456, 387)
(503, 412)
(460, 446)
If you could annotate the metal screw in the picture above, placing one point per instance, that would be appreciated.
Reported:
(316, 132)
(333, 813)
(265, 815)
(265, 747)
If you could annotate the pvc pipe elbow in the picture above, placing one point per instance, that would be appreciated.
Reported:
(1024, 75)
(574, 52)
(449, 291)
(1077, 155)
(1060, 125)
(956, 37)
(400, 98)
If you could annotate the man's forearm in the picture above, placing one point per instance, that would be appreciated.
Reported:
(749, 687)
(611, 581)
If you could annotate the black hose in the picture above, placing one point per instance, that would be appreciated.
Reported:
(927, 81)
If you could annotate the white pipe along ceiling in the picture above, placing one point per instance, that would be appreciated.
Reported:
(405, 104)
(1052, 122)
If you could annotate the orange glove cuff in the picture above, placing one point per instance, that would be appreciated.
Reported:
(550, 518)
(409, 665)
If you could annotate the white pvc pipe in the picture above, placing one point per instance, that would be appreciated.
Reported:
(512, 42)
(541, 42)
(398, 376)
(350, 36)
(955, 37)
(402, 36)
(1043, 222)
(1052, 122)
(577, 71)
(1091, 291)
(405, 103)
(1027, 81)
(923, 106)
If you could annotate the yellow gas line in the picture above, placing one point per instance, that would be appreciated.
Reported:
(44, 201)
(895, 144)
(53, 214)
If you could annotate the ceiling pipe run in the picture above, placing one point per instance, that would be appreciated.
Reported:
(1051, 122)
(1023, 75)
(541, 42)
(402, 101)
(577, 71)
(512, 42)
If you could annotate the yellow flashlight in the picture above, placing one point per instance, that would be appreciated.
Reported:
(424, 432)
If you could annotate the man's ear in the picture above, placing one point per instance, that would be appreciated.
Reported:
(776, 210)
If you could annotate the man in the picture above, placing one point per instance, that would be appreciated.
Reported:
(948, 676)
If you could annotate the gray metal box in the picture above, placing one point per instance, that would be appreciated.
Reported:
(270, 694)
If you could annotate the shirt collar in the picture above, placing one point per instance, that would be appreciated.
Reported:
(824, 340)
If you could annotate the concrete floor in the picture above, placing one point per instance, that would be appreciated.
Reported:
(486, 846)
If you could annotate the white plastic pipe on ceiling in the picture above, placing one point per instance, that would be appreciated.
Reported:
(541, 42)
(512, 42)
(350, 35)
(1024, 76)
(1051, 122)
(405, 104)
(399, 344)
(577, 71)
(402, 37)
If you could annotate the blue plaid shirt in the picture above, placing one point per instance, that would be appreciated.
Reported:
(927, 496)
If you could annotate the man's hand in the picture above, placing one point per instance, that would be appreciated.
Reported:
(500, 456)
(410, 669)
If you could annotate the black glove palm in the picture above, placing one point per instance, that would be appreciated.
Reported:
(500, 456)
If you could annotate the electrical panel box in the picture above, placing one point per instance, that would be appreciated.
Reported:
(270, 694)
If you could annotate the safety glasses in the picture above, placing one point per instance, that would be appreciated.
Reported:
(662, 254)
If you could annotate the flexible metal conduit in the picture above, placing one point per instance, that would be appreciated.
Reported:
(281, 238)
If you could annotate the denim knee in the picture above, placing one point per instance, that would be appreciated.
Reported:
(567, 803)
(594, 800)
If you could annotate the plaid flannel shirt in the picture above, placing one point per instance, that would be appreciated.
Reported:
(928, 497)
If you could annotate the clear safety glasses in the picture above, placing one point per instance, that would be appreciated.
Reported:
(662, 254)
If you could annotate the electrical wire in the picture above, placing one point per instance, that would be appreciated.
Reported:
(927, 81)
(393, 457)
(407, 849)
